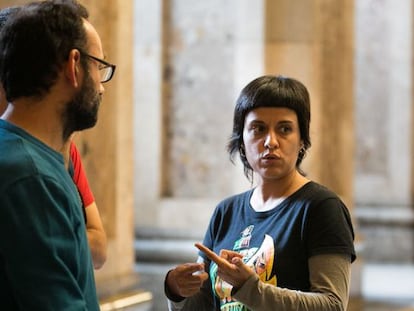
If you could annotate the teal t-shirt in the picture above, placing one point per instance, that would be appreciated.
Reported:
(45, 262)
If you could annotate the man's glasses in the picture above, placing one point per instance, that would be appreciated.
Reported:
(106, 70)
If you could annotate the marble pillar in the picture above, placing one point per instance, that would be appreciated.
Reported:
(313, 41)
(107, 149)
(299, 43)
(191, 60)
(384, 128)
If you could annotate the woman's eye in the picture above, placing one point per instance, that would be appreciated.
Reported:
(257, 129)
(285, 129)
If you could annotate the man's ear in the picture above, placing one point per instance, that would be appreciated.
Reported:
(73, 68)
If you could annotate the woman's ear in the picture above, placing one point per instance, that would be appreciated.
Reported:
(73, 68)
(242, 150)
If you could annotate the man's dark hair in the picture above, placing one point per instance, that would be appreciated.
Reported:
(35, 41)
(6, 13)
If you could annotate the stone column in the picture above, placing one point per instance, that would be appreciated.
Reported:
(107, 149)
(313, 42)
(191, 60)
(384, 128)
(148, 101)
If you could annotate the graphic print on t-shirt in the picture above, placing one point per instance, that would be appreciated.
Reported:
(260, 259)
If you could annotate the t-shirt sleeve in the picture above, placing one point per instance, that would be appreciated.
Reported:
(79, 176)
(329, 229)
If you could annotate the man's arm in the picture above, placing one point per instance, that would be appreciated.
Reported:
(96, 235)
(94, 227)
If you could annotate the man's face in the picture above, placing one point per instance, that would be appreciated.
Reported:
(82, 110)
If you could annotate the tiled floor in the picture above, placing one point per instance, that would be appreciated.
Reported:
(384, 287)
(364, 305)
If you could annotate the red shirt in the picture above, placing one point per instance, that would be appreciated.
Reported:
(79, 176)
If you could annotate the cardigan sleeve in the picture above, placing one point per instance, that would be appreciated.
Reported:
(329, 278)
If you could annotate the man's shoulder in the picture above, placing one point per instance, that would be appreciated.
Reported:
(21, 159)
(14, 157)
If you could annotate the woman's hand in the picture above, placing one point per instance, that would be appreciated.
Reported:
(230, 266)
(186, 279)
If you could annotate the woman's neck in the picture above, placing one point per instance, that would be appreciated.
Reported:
(269, 194)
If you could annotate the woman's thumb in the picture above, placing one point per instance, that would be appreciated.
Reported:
(237, 261)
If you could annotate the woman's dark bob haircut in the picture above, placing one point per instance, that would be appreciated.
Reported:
(270, 91)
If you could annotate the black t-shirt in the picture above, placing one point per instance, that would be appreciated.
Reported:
(278, 243)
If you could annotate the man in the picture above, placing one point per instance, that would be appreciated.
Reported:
(94, 228)
(52, 71)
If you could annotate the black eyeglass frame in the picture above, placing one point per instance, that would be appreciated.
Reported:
(105, 63)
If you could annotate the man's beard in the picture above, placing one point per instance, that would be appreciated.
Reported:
(82, 111)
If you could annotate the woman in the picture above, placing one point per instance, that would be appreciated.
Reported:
(286, 244)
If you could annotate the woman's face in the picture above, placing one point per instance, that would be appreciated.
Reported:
(272, 142)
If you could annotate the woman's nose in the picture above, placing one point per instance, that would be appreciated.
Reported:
(271, 141)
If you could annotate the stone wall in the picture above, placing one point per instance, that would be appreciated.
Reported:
(198, 72)
(384, 129)
(197, 53)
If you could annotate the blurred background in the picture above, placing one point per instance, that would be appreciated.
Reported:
(157, 161)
